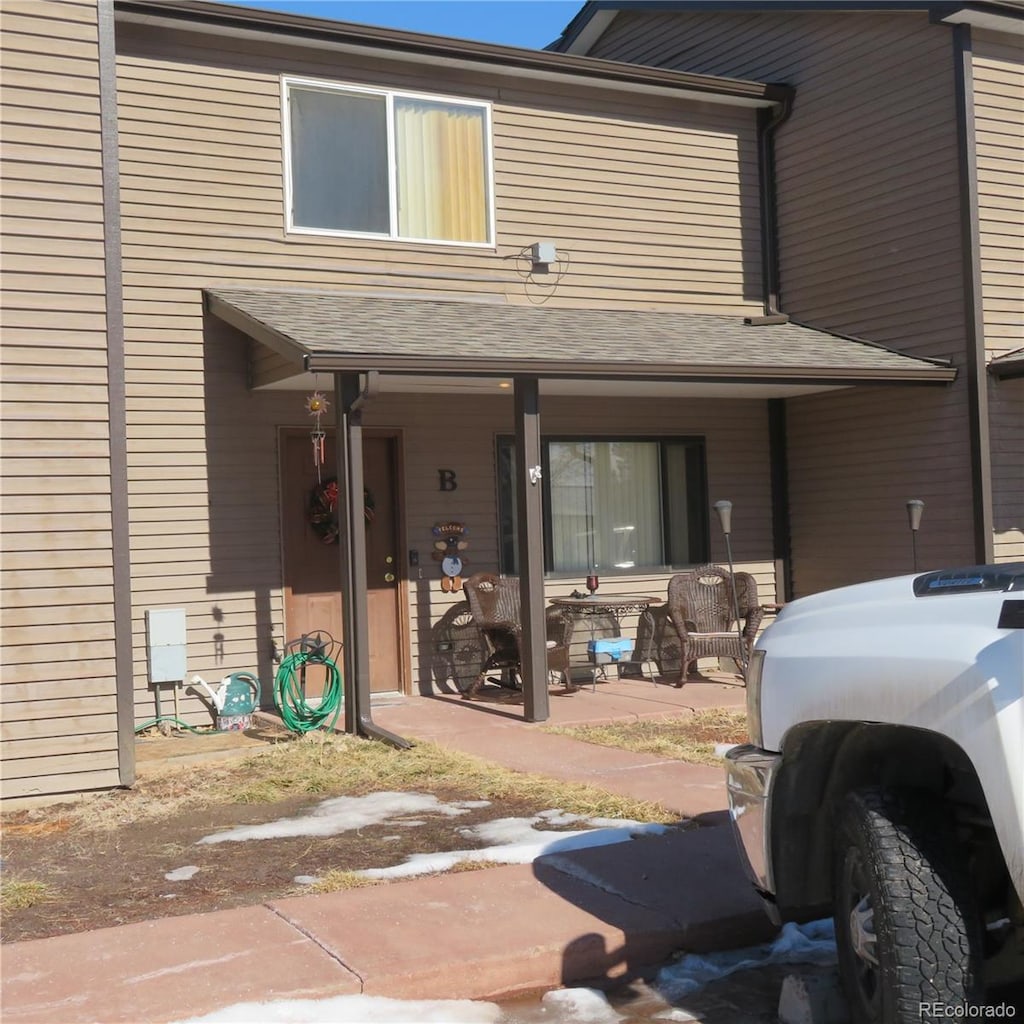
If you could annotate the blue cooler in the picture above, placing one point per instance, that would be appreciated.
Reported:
(610, 649)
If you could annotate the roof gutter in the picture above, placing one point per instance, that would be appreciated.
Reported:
(480, 366)
(241, 22)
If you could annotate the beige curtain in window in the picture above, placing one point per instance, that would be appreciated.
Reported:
(605, 505)
(441, 169)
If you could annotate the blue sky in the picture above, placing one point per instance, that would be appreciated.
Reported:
(531, 23)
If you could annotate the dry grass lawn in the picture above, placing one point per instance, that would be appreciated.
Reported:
(692, 739)
(105, 860)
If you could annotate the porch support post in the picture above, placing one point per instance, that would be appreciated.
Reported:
(350, 397)
(346, 390)
(530, 508)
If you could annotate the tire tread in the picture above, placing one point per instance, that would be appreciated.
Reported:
(907, 844)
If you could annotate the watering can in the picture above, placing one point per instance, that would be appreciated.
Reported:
(235, 699)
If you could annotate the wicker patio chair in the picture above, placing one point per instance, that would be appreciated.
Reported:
(494, 605)
(700, 606)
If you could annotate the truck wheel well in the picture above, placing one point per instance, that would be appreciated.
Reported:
(822, 762)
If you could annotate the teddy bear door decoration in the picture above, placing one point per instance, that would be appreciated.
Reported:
(449, 543)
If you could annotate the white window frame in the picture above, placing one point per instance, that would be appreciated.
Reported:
(389, 95)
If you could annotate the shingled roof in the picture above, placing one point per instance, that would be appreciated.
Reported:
(343, 330)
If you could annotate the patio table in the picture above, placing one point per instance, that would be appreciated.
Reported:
(615, 605)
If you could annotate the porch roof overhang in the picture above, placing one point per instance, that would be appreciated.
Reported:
(343, 331)
(1008, 366)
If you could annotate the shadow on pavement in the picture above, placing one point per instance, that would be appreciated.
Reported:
(684, 890)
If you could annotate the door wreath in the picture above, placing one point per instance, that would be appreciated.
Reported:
(323, 510)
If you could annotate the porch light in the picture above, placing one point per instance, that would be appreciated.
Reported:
(724, 510)
(914, 509)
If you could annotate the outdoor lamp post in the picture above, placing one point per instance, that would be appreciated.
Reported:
(914, 509)
(724, 510)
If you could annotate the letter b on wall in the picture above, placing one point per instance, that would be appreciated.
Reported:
(446, 479)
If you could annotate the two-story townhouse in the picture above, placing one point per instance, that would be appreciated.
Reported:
(531, 287)
(900, 183)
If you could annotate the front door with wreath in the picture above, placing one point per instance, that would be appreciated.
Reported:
(311, 570)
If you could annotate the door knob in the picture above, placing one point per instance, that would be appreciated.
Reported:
(389, 577)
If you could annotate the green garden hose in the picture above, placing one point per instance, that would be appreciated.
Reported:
(296, 714)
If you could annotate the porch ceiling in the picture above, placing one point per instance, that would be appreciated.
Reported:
(332, 331)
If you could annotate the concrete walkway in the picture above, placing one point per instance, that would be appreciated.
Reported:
(588, 915)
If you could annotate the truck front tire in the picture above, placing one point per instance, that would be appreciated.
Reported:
(906, 930)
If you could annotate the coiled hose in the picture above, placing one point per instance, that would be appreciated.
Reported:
(296, 714)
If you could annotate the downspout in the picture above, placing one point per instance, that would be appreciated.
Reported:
(974, 322)
(768, 123)
(351, 399)
(124, 700)
(769, 120)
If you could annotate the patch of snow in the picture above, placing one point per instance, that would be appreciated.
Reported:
(812, 943)
(181, 874)
(346, 814)
(305, 879)
(564, 1006)
(354, 1010)
(516, 841)
(583, 1005)
(721, 749)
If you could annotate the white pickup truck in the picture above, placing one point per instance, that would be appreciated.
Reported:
(884, 783)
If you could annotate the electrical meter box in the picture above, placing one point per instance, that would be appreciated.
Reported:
(165, 645)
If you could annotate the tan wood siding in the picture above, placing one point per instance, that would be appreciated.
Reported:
(869, 245)
(998, 66)
(57, 690)
(998, 73)
(853, 466)
(651, 202)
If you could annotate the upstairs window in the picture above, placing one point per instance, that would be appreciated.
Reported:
(387, 164)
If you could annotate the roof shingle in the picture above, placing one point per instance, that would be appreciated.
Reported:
(339, 330)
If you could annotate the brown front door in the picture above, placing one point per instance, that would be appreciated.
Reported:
(312, 592)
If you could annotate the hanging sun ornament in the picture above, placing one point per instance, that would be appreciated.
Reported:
(316, 406)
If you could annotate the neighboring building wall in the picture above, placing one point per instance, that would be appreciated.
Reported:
(201, 187)
(58, 687)
(998, 66)
(870, 246)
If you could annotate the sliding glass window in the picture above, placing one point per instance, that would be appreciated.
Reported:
(396, 165)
